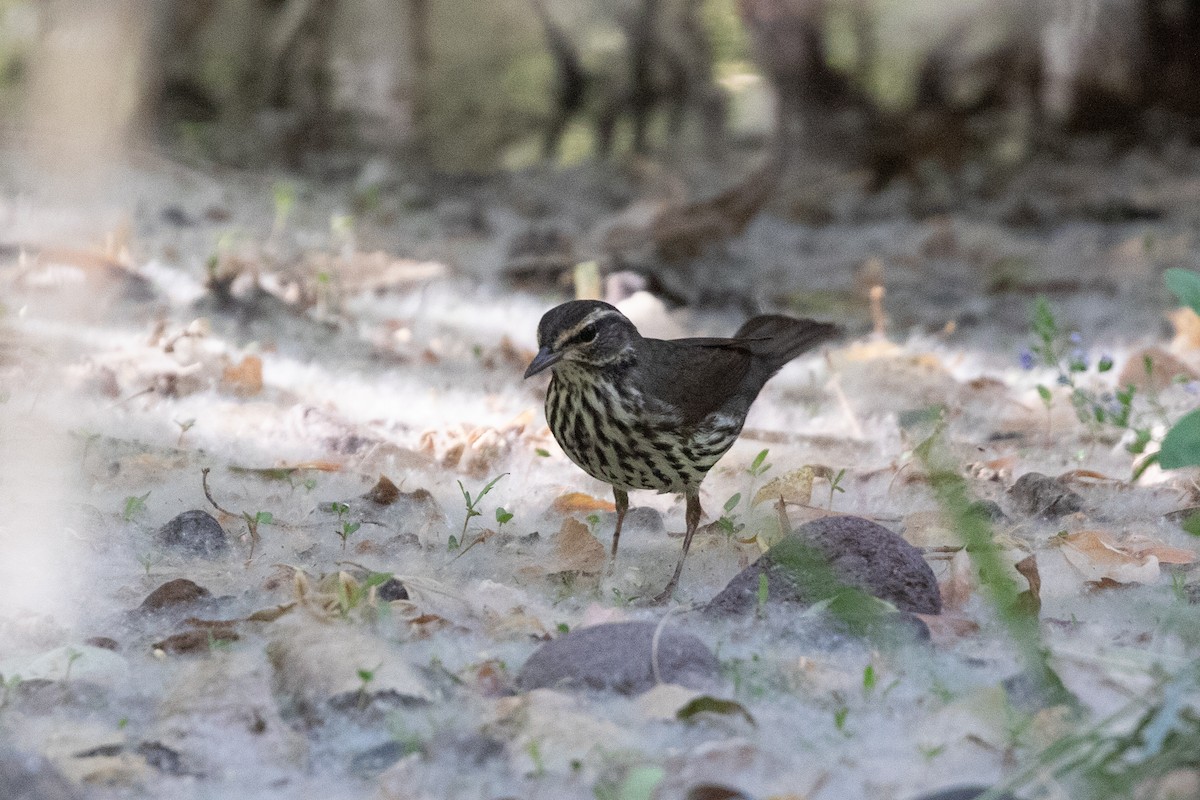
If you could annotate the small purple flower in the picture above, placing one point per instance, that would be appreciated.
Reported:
(1192, 387)
(1026, 359)
(1075, 337)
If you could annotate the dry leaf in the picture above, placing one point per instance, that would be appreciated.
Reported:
(1187, 329)
(794, 487)
(1030, 600)
(244, 379)
(1143, 546)
(577, 502)
(1096, 556)
(1163, 369)
(956, 589)
(384, 492)
(576, 550)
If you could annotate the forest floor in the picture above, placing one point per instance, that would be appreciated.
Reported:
(367, 337)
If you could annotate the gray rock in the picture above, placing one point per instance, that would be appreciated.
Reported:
(642, 519)
(1040, 495)
(617, 656)
(26, 776)
(194, 532)
(821, 557)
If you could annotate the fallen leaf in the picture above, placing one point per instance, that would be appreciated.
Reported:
(1187, 329)
(1143, 546)
(1096, 556)
(384, 492)
(577, 550)
(794, 487)
(577, 502)
(244, 379)
(270, 614)
(707, 704)
(1163, 369)
(956, 589)
(1031, 599)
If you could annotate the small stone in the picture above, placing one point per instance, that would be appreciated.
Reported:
(180, 591)
(858, 552)
(1035, 494)
(390, 590)
(194, 532)
(642, 519)
(618, 656)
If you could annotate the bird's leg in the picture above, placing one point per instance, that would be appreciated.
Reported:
(622, 498)
(693, 519)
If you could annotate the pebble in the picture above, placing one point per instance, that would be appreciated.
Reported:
(194, 532)
(1035, 494)
(617, 656)
(860, 553)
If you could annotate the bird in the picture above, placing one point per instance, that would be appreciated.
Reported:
(643, 413)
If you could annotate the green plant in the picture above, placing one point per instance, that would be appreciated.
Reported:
(869, 679)
(471, 504)
(728, 521)
(73, 655)
(764, 594)
(502, 516)
(147, 560)
(835, 485)
(365, 676)
(134, 506)
(347, 530)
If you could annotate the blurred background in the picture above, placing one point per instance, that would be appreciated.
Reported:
(892, 87)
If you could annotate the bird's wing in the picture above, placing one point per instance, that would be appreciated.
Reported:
(694, 377)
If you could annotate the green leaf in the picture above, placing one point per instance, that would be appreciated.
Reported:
(707, 704)
(1181, 445)
(869, 678)
(759, 459)
(732, 502)
(502, 515)
(764, 590)
(1045, 326)
(1044, 393)
(1105, 364)
(543, 452)
(641, 783)
(1185, 285)
(1191, 524)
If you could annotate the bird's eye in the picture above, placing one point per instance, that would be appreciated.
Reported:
(586, 335)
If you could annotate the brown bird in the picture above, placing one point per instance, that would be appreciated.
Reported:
(642, 413)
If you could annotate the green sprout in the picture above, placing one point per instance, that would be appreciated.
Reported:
(471, 504)
(134, 506)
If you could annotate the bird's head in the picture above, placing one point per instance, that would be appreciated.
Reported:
(585, 332)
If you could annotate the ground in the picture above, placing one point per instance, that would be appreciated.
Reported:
(270, 350)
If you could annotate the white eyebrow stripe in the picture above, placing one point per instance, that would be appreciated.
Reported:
(591, 318)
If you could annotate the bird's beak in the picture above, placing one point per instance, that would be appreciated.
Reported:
(542, 360)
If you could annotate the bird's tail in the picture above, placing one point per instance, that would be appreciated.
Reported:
(779, 339)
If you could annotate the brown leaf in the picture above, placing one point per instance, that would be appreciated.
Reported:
(1187, 329)
(244, 379)
(1097, 556)
(384, 492)
(1143, 546)
(195, 641)
(270, 614)
(1163, 369)
(578, 502)
(1030, 601)
(956, 589)
(577, 550)
(793, 487)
